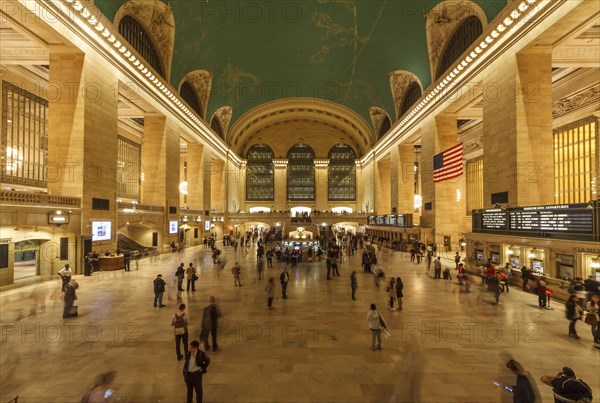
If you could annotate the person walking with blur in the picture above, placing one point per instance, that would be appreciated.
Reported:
(284, 278)
(260, 267)
(237, 274)
(391, 290)
(437, 267)
(573, 311)
(270, 290)
(353, 284)
(210, 324)
(523, 391)
(399, 293)
(593, 316)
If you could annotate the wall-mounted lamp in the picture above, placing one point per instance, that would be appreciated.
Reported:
(595, 263)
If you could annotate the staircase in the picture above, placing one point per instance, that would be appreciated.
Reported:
(126, 243)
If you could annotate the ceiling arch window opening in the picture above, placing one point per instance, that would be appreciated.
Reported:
(386, 125)
(188, 93)
(136, 35)
(24, 137)
(341, 174)
(301, 173)
(411, 96)
(216, 126)
(466, 33)
(260, 177)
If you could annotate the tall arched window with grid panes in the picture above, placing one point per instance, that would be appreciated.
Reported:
(260, 177)
(136, 35)
(301, 173)
(463, 37)
(341, 176)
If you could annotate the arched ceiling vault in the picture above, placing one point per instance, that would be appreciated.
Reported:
(321, 124)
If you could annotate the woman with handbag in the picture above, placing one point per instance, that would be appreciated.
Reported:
(574, 312)
(592, 316)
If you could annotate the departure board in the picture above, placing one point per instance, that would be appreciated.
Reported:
(566, 218)
(493, 219)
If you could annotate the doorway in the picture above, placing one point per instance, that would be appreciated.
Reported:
(26, 255)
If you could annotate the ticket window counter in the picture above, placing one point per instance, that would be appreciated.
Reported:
(535, 257)
(565, 267)
(592, 265)
(494, 252)
(513, 257)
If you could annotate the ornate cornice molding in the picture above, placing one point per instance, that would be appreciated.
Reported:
(576, 101)
(473, 145)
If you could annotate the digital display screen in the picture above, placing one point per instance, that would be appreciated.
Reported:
(562, 218)
(494, 219)
(207, 225)
(173, 227)
(101, 230)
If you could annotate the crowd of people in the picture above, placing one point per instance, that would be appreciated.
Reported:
(584, 301)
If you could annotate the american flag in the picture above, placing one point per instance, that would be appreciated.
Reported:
(448, 164)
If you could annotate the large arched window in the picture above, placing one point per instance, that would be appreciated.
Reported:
(463, 37)
(301, 173)
(342, 173)
(136, 35)
(411, 96)
(188, 93)
(386, 125)
(216, 126)
(260, 178)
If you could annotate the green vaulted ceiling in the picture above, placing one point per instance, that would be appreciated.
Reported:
(338, 50)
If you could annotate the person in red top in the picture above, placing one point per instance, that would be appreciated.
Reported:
(541, 291)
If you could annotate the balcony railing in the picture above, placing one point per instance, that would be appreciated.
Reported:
(38, 199)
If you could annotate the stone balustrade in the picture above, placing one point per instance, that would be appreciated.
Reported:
(39, 199)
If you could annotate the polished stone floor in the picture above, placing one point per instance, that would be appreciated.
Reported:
(446, 345)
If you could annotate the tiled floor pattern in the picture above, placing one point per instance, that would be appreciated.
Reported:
(446, 345)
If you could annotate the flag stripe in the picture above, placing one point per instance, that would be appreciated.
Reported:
(448, 164)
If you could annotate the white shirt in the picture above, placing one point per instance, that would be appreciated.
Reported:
(374, 320)
(65, 272)
(192, 366)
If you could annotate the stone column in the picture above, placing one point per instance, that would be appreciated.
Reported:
(280, 185)
(382, 186)
(517, 129)
(82, 136)
(207, 178)
(241, 187)
(406, 179)
(160, 169)
(195, 159)
(217, 185)
(321, 185)
(447, 213)
(394, 179)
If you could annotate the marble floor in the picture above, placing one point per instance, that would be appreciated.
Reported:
(446, 345)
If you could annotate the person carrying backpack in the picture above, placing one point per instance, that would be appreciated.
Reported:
(180, 323)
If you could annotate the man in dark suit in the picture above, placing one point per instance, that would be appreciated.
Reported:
(196, 363)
